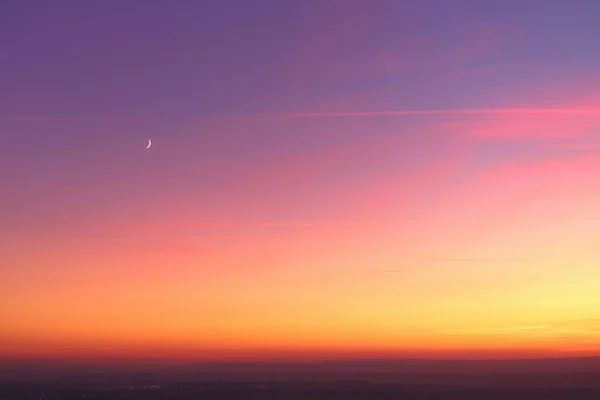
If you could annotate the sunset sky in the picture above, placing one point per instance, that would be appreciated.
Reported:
(328, 178)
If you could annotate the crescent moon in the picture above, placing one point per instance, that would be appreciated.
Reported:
(149, 143)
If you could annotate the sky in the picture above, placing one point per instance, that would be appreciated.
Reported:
(326, 179)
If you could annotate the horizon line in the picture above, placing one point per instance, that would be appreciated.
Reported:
(290, 359)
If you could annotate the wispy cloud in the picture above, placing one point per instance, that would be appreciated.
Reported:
(591, 324)
(19, 118)
(383, 270)
(508, 329)
(183, 225)
(140, 238)
(474, 111)
(468, 259)
(593, 147)
(587, 329)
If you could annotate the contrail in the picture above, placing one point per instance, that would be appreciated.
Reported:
(476, 111)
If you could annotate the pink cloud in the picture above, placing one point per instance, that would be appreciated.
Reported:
(594, 147)
(536, 126)
(544, 171)
(524, 194)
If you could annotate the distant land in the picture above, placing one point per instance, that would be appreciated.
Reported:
(555, 372)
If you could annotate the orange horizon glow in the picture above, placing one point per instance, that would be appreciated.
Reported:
(503, 265)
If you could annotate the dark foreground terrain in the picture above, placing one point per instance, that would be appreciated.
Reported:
(547, 379)
(288, 390)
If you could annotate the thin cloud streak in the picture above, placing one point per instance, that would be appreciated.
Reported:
(517, 328)
(587, 328)
(476, 111)
(38, 118)
(214, 225)
(469, 259)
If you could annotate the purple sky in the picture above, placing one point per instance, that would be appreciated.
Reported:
(242, 100)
